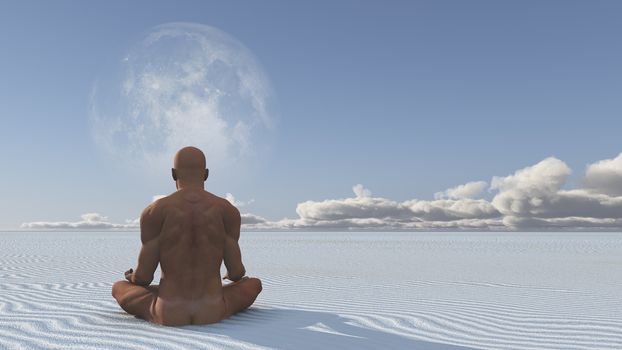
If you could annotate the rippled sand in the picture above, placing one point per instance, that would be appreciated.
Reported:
(333, 291)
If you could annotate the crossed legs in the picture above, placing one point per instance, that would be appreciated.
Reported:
(134, 299)
(138, 300)
(241, 294)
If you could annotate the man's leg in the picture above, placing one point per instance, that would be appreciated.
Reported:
(241, 294)
(134, 299)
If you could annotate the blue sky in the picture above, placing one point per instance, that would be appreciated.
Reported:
(408, 98)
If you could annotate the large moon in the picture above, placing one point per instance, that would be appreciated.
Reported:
(183, 84)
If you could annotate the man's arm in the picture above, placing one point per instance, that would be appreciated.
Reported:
(150, 226)
(232, 255)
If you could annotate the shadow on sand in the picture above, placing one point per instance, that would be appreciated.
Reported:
(301, 329)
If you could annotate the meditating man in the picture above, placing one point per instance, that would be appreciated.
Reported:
(190, 233)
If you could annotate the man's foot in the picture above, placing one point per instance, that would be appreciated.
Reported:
(241, 294)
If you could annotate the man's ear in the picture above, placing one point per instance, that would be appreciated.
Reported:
(174, 174)
(206, 174)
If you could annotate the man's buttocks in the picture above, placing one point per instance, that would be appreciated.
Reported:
(180, 311)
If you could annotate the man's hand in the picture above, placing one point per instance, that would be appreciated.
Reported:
(235, 278)
(128, 275)
(236, 281)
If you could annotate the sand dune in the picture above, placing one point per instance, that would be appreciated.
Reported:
(332, 291)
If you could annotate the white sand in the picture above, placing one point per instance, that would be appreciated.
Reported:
(333, 291)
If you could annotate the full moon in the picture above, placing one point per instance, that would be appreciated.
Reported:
(183, 84)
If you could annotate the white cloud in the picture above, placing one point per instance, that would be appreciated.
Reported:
(237, 203)
(468, 190)
(360, 191)
(449, 210)
(363, 206)
(528, 190)
(252, 219)
(364, 212)
(89, 221)
(532, 198)
(605, 177)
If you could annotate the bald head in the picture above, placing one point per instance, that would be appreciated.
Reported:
(189, 158)
(189, 165)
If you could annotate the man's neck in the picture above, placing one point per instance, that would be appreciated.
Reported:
(190, 185)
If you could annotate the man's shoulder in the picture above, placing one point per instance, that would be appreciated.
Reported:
(221, 202)
(154, 208)
(160, 203)
(151, 221)
(157, 209)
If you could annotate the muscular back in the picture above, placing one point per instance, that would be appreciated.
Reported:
(197, 230)
(189, 233)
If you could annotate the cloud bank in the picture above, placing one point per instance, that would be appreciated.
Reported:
(531, 199)
(90, 221)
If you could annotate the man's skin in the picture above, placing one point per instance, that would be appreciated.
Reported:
(189, 233)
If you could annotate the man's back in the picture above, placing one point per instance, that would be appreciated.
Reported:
(191, 244)
(189, 233)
